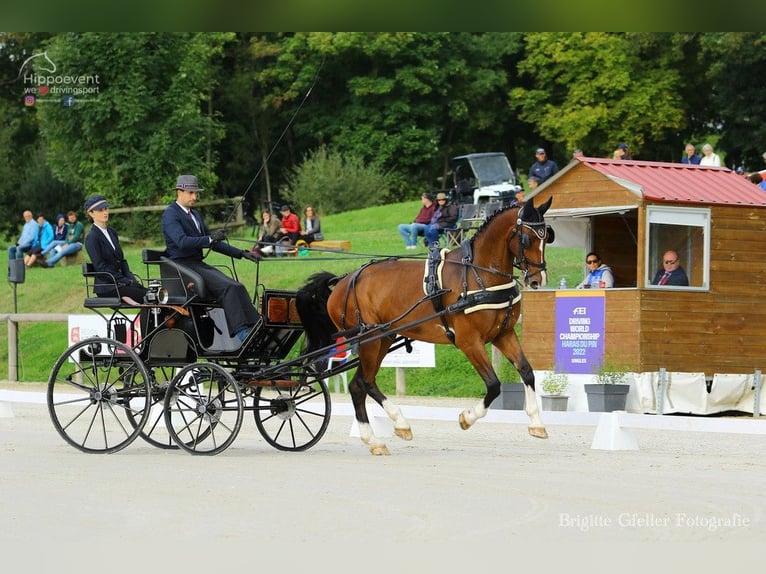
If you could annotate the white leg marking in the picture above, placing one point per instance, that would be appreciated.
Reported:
(376, 446)
(395, 414)
(532, 408)
(471, 415)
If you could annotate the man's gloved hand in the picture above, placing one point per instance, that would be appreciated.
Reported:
(252, 256)
(219, 235)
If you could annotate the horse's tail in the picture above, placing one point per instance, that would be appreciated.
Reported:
(311, 303)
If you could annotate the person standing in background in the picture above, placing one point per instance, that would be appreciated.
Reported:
(543, 168)
(709, 158)
(691, 157)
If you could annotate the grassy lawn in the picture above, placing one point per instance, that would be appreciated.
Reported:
(372, 233)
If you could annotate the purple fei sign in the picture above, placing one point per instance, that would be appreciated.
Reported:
(579, 331)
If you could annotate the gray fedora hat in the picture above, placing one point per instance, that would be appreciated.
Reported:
(188, 183)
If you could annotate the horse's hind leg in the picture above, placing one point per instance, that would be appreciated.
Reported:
(361, 386)
(357, 388)
(402, 427)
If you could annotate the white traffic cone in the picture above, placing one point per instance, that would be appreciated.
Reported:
(609, 435)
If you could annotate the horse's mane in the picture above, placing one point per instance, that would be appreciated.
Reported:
(489, 220)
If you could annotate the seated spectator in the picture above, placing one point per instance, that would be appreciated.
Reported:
(44, 238)
(290, 226)
(599, 275)
(74, 238)
(410, 231)
(26, 239)
(672, 273)
(444, 217)
(59, 235)
(312, 226)
(268, 235)
(708, 157)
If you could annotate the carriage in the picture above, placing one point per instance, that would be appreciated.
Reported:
(167, 371)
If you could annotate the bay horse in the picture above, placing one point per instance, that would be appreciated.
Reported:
(466, 297)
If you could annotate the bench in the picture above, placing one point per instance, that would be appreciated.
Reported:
(337, 245)
(73, 259)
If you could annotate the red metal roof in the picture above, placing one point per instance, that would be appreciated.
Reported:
(678, 182)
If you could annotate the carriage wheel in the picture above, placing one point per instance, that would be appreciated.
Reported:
(154, 431)
(292, 417)
(203, 409)
(97, 395)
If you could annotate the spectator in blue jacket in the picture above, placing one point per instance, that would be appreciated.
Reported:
(691, 156)
(26, 239)
(543, 168)
(44, 238)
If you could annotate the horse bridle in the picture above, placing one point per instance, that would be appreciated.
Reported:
(542, 231)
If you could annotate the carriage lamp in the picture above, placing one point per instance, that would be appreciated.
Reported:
(156, 293)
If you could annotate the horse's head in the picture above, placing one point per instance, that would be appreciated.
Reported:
(527, 242)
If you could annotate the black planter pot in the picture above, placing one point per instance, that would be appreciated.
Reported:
(606, 398)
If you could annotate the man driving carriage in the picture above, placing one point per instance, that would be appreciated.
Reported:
(186, 235)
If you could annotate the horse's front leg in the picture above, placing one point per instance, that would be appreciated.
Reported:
(477, 355)
(509, 345)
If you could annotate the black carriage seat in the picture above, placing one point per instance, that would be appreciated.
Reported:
(93, 301)
(119, 325)
(183, 284)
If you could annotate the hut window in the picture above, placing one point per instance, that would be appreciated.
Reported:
(685, 230)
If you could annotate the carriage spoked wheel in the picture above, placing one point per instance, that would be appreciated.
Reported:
(292, 415)
(203, 409)
(98, 394)
(154, 431)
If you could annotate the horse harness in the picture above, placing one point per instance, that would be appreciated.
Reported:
(495, 297)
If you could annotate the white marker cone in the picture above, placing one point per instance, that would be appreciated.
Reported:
(609, 435)
(6, 412)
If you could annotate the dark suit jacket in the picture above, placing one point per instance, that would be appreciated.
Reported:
(184, 241)
(677, 277)
(106, 258)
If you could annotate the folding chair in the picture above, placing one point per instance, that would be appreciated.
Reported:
(342, 353)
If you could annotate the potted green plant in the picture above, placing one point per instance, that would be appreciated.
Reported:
(554, 386)
(610, 390)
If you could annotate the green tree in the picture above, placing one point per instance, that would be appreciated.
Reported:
(736, 61)
(406, 102)
(25, 179)
(334, 183)
(149, 120)
(594, 90)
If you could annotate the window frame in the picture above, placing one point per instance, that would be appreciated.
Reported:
(689, 217)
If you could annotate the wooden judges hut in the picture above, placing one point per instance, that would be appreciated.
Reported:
(631, 212)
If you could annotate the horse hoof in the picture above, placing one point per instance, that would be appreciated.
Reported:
(464, 424)
(538, 432)
(405, 434)
(379, 450)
